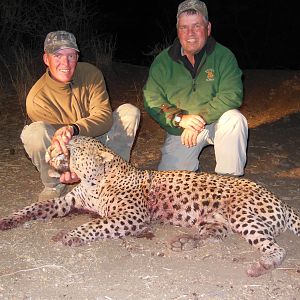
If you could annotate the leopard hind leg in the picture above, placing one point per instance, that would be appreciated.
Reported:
(261, 236)
(214, 231)
(272, 255)
(207, 231)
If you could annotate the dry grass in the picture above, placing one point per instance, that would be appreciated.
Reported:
(103, 50)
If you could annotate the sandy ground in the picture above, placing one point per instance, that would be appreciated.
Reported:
(34, 267)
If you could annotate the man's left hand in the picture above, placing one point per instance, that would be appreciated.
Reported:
(189, 137)
(69, 178)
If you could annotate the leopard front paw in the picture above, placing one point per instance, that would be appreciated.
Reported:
(67, 240)
(8, 223)
(59, 236)
(72, 241)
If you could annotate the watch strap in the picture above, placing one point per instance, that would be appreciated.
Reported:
(75, 129)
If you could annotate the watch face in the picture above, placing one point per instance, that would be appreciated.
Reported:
(177, 119)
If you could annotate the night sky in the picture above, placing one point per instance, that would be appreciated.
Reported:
(262, 34)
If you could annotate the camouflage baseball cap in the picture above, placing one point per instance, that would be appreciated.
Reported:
(58, 40)
(196, 5)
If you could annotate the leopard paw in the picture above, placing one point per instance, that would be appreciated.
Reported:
(184, 243)
(59, 236)
(8, 223)
(72, 241)
(67, 240)
(256, 269)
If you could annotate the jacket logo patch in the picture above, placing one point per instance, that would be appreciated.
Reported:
(210, 75)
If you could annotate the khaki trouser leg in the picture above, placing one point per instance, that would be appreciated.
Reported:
(230, 140)
(36, 138)
(121, 136)
(228, 135)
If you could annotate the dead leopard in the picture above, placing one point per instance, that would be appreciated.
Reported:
(127, 199)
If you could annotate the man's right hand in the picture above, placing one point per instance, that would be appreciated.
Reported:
(193, 125)
(192, 122)
(61, 138)
(59, 141)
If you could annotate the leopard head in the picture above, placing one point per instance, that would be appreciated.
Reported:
(85, 156)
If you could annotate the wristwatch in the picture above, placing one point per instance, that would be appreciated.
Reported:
(177, 119)
(75, 129)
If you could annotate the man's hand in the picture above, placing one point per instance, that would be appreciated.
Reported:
(69, 177)
(193, 125)
(192, 122)
(189, 137)
(59, 141)
(61, 138)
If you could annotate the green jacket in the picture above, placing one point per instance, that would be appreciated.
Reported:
(170, 88)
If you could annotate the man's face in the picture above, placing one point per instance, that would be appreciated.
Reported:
(62, 64)
(193, 32)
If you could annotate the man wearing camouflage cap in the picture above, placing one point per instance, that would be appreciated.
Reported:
(71, 99)
(193, 91)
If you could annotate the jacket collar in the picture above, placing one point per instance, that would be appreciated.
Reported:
(60, 87)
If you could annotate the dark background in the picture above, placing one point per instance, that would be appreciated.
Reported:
(262, 34)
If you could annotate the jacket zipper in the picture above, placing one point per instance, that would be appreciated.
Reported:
(194, 85)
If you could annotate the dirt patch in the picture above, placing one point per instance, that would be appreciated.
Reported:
(270, 95)
(34, 267)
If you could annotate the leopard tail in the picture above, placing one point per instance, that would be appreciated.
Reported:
(293, 220)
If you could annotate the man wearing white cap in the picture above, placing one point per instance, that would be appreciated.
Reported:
(71, 99)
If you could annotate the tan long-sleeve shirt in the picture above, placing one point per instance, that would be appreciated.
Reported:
(84, 101)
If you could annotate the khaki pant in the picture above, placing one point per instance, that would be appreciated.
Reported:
(229, 136)
(36, 138)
